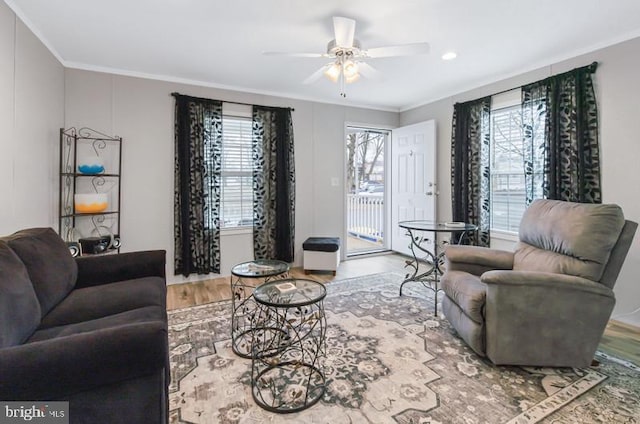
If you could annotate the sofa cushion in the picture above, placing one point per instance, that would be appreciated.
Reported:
(59, 367)
(568, 238)
(108, 299)
(19, 307)
(51, 268)
(467, 291)
(146, 314)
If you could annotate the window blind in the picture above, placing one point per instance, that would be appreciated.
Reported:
(237, 178)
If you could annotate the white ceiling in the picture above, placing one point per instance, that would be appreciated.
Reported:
(220, 42)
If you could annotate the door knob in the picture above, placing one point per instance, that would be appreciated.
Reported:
(429, 193)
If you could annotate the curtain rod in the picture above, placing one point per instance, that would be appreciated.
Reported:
(174, 94)
(591, 67)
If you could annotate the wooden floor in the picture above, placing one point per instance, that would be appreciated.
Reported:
(620, 339)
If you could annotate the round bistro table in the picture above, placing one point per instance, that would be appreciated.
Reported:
(288, 345)
(429, 273)
(243, 307)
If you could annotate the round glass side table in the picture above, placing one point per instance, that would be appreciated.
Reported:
(243, 307)
(289, 345)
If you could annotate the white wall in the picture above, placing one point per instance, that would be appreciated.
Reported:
(31, 114)
(142, 112)
(618, 95)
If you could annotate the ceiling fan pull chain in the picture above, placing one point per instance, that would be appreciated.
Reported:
(342, 84)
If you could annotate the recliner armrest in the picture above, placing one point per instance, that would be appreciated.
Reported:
(477, 260)
(544, 319)
(104, 269)
(56, 368)
(524, 279)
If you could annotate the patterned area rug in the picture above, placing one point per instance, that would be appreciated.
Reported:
(389, 360)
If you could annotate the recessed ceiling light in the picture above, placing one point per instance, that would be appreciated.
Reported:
(449, 56)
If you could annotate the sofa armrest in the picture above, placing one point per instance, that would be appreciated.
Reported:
(524, 280)
(103, 269)
(477, 260)
(56, 368)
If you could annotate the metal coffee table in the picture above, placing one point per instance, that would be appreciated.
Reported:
(242, 303)
(288, 345)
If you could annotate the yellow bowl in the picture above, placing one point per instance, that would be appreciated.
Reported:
(91, 203)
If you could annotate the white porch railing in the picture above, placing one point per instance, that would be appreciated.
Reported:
(365, 216)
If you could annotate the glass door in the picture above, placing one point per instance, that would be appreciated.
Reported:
(366, 219)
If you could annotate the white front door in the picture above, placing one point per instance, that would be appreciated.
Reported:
(413, 180)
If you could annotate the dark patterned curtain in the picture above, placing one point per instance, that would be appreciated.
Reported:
(470, 177)
(273, 184)
(534, 111)
(565, 163)
(198, 141)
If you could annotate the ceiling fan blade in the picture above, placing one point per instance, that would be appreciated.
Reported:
(369, 71)
(316, 75)
(344, 30)
(399, 50)
(295, 54)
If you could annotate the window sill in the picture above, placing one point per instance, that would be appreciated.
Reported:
(235, 231)
(504, 235)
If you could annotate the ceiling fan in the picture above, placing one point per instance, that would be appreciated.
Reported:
(348, 57)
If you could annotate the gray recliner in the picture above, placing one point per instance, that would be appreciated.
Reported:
(548, 302)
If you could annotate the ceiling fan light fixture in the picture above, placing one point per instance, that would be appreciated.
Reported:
(333, 72)
(350, 69)
(352, 78)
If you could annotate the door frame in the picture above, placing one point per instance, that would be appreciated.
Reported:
(387, 192)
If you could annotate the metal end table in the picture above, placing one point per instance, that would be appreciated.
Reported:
(243, 307)
(430, 276)
(288, 345)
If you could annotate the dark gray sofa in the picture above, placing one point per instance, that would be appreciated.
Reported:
(90, 330)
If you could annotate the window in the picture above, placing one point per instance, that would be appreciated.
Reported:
(508, 196)
(237, 173)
